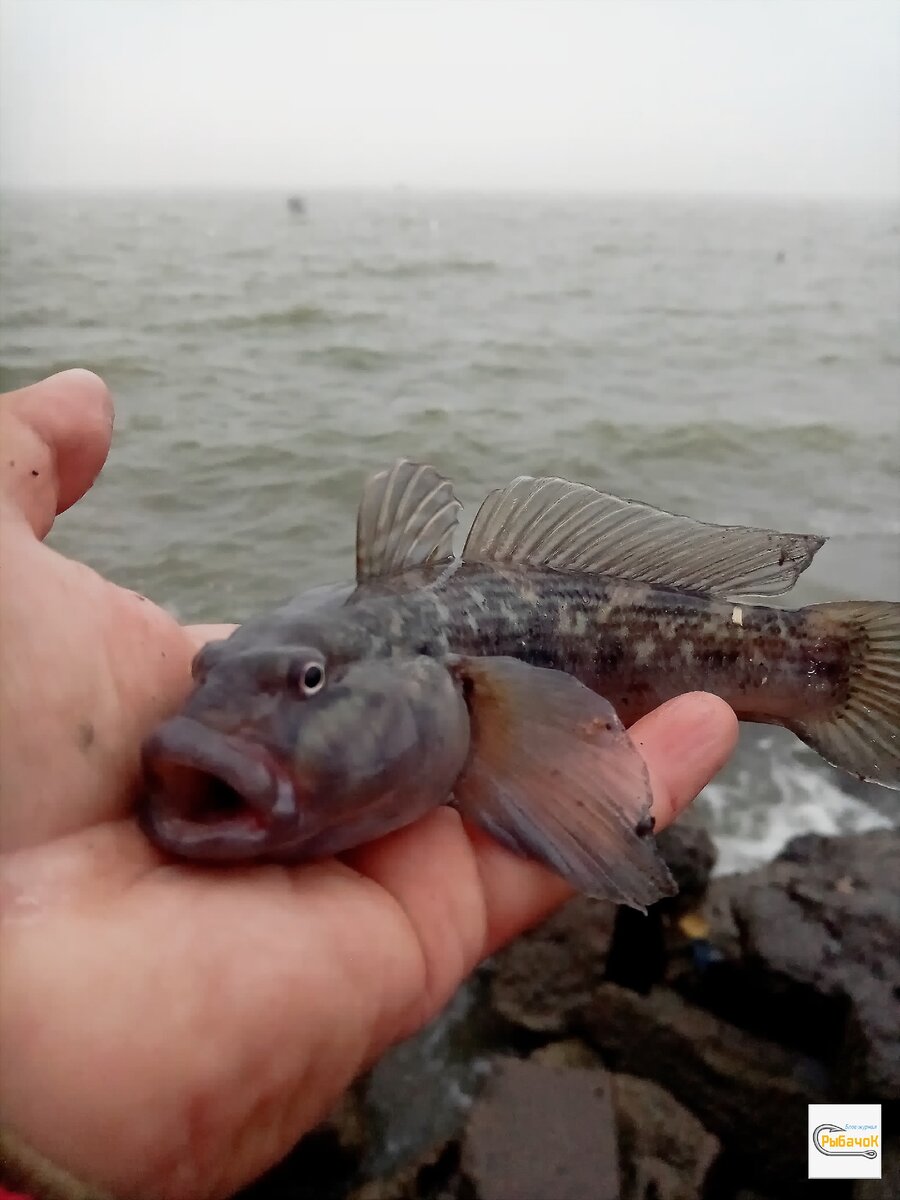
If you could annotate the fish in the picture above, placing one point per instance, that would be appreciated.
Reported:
(502, 681)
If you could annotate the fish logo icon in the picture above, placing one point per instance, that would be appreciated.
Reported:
(836, 1141)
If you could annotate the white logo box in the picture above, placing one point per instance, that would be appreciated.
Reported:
(844, 1141)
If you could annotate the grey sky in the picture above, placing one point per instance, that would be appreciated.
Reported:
(778, 96)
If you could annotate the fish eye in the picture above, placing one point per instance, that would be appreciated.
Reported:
(313, 679)
(307, 678)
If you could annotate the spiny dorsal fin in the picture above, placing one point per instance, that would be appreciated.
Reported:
(572, 527)
(407, 517)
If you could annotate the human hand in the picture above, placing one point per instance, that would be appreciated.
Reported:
(166, 1030)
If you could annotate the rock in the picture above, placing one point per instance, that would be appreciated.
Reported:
(435, 1176)
(637, 956)
(752, 1094)
(690, 855)
(350, 1121)
(808, 950)
(548, 974)
(544, 978)
(568, 1053)
(542, 1133)
(665, 1151)
(643, 944)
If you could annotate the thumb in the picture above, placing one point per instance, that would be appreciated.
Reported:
(55, 437)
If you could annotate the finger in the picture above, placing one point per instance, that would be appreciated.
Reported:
(685, 743)
(55, 438)
(485, 895)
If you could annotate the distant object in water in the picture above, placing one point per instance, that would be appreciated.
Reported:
(780, 256)
(296, 204)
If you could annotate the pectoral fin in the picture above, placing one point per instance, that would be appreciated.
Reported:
(554, 775)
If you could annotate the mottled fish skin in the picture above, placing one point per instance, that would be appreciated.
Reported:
(636, 644)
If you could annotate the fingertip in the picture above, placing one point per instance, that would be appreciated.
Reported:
(58, 441)
(685, 742)
(79, 431)
(85, 382)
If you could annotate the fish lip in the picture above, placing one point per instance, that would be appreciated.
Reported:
(180, 757)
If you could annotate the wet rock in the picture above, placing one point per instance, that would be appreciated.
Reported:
(544, 978)
(434, 1176)
(568, 1053)
(690, 855)
(350, 1121)
(642, 944)
(542, 1133)
(547, 975)
(808, 957)
(751, 1093)
(665, 1151)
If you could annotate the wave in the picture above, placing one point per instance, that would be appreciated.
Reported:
(427, 267)
(291, 317)
(804, 800)
(114, 370)
(294, 316)
(722, 441)
(352, 358)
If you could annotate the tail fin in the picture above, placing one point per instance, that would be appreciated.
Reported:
(862, 735)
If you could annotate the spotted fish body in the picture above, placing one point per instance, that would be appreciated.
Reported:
(502, 681)
(636, 644)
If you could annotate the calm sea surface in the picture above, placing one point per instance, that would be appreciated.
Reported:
(738, 361)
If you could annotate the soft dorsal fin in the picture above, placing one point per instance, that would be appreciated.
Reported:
(572, 527)
(407, 517)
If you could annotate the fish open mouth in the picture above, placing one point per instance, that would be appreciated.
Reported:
(209, 795)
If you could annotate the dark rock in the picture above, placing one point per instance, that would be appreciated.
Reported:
(808, 956)
(752, 1094)
(547, 975)
(665, 1151)
(544, 978)
(435, 1176)
(690, 855)
(642, 944)
(568, 1053)
(542, 1133)
(637, 956)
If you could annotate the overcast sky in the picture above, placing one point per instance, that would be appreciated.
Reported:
(775, 96)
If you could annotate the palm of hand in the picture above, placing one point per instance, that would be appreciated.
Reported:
(170, 1031)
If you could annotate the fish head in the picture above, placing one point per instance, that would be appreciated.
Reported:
(290, 753)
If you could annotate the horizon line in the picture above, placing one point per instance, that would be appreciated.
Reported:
(574, 191)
